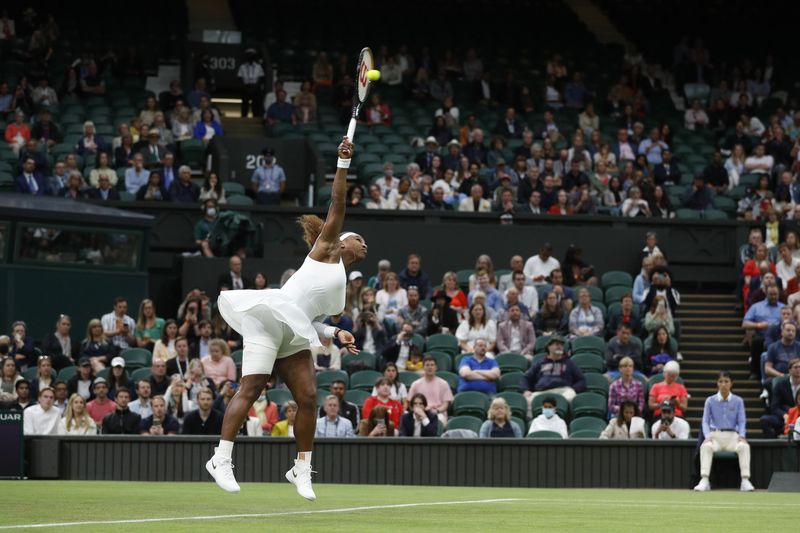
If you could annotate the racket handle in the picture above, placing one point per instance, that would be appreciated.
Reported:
(351, 129)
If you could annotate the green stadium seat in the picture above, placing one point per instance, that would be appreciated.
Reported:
(321, 395)
(687, 214)
(616, 278)
(357, 397)
(614, 294)
(465, 422)
(588, 344)
(326, 377)
(715, 214)
(126, 196)
(749, 180)
(562, 406)
(402, 149)
(584, 433)
(192, 152)
(104, 373)
(139, 374)
(366, 359)
(237, 357)
(511, 362)
(362, 380)
(597, 383)
(136, 358)
(407, 378)
(324, 195)
(538, 346)
(523, 426)
(471, 403)
(589, 404)
(589, 362)
(66, 373)
(239, 200)
(588, 423)
(544, 435)
(442, 342)
(462, 277)
(279, 396)
(233, 187)
(510, 381)
(517, 403)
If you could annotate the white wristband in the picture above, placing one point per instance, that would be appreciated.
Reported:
(343, 163)
(329, 332)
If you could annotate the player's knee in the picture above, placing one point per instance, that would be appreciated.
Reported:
(306, 398)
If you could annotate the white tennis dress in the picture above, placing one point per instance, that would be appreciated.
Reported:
(277, 323)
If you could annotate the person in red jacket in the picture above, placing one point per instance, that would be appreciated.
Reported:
(384, 390)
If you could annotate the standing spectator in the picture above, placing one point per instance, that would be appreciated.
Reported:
(121, 420)
(414, 275)
(252, 74)
(625, 388)
(627, 425)
(418, 421)
(101, 405)
(554, 374)
(669, 426)
(76, 421)
(549, 419)
(160, 422)
(42, 418)
(669, 390)
(142, 405)
(118, 326)
(499, 423)
(538, 267)
(724, 426)
(436, 391)
(333, 425)
(516, 335)
(218, 364)
(269, 179)
(477, 372)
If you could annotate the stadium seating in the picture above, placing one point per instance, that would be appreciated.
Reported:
(443, 360)
(510, 362)
(587, 344)
(587, 423)
(139, 374)
(562, 406)
(510, 381)
(589, 404)
(357, 397)
(442, 342)
(279, 396)
(136, 358)
(589, 362)
(597, 383)
(517, 403)
(362, 380)
(465, 422)
(365, 359)
(544, 435)
(471, 403)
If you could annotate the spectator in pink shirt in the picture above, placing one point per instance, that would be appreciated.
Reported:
(436, 390)
(218, 364)
(101, 405)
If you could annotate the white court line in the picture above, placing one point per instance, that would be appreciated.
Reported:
(257, 515)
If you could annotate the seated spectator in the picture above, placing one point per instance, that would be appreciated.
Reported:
(418, 421)
(515, 334)
(527, 293)
(326, 357)
(285, 427)
(90, 144)
(182, 127)
(23, 398)
(17, 133)
(142, 405)
(586, 319)
(539, 267)
(124, 154)
(196, 379)
(669, 426)
(21, 346)
(697, 195)
(477, 326)
(552, 319)
(653, 147)
(435, 389)
(669, 390)
(218, 364)
(333, 425)
(781, 353)
(225, 394)
(177, 399)
(160, 422)
(625, 388)
(475, 202)
(104, 191)
(378, 424)
(42, 418)
(154, 190)
(101, 405)
(76, 421)
(660, 351)
(758, 318)
(346, 409)
(477, 372)
(164, 348)
(120, 420)
(118, 378)
(75, 189)
(724, 426)
(391, 297)
(627, 425)
(625, 315)
(786, 267)
(8, 375)
(695, 117)
(458, 300)
(620, 347)
(394, 408)
(159, 382)
(376, 200)
(265, 412)
(398, 349)
(29, 181)
(43, 378)
(441, 318)
(554, 374)
(207, 127)
(759, 162)
(413, 313)
(184, 189)
(576, 271)
(549, 419)
(499, 423)
(634, 205)
(782, 403)
(414, 362)
(659, 316)
(279, 112)
(484, 284)
(136, 176)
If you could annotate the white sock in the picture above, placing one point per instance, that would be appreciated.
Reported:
(225, 449)
(304, 457)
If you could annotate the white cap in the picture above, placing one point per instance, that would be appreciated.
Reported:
(431, 139)
(355, 274)
(118, 361)
(672, 367)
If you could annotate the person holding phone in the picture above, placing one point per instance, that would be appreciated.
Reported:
(669, 426)
(378, 424)
(118, 326)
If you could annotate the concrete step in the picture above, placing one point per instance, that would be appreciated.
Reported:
(695, 327)
(702, 336)
(689, 297)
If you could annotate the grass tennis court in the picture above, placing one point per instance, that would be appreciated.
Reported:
(191, 506)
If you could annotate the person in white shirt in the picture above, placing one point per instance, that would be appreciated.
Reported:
(634, 205)
(538, 267)
(251, 73)
(549, 419)
(76, 421)
(42, 418)
(695, 117)
(528, 295)
(759, 163)
(786, 267)
(391, 72)
(389, 183)
(376, 200)
(141, 405)
(118, 326)
(670, 426)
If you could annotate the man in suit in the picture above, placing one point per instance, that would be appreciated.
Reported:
(515, 334)
(31, 149)
(666, 172)
(233, 279)
(153, 153)
(624, 149)
(510, 126)
(476, 203)
(30, 181)
(168, 171)
(104, 191)
(425, 159)
(783, 398)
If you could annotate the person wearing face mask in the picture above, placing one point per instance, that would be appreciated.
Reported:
(549, 419)
(266, 412)
(268, 180)
(204, 227)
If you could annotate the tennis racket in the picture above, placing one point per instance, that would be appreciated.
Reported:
(365, 64)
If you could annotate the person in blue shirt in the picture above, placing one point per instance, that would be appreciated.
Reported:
(493, 297)
(281, 111)
(268, 180)
(477, 372)
(653, 147)
(759, 317)
(724, 425)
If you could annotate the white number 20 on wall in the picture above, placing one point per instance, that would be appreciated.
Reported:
(253, 161)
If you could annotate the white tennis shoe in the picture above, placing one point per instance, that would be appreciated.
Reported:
(300, 476)
(221, 469)
(703, 486)
(746, 486)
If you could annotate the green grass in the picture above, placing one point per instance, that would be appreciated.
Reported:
(43, 502)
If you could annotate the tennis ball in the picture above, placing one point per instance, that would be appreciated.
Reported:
(373, 75)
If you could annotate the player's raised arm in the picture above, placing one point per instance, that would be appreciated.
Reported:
(335, 219)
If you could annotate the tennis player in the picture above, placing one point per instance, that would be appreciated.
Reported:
(279, 326)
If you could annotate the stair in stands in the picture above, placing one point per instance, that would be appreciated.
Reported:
(711, 340)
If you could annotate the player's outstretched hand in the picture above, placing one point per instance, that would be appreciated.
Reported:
(348, 342)
(346, 148)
